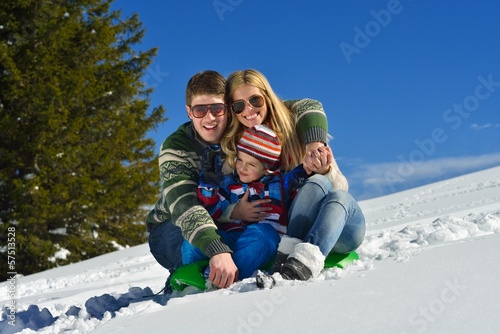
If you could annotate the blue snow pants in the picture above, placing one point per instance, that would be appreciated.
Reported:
(252, 248)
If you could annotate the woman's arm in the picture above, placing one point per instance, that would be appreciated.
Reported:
(312, 126)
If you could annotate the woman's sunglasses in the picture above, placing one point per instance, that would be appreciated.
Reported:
(201, 110)
(255, 101)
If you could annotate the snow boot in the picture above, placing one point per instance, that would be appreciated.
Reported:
(285, 248)
(305, 262)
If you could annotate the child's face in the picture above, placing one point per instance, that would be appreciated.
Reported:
(249, 168)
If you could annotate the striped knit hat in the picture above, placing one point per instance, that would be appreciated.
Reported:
(261, 143)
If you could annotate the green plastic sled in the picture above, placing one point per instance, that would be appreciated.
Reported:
(189, 274)
(192, 274)
(340, 260)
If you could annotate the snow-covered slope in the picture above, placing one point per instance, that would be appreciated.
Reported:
(430, 263)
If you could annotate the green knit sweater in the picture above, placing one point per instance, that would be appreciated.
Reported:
(180, 163)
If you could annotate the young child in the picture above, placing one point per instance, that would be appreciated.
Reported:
(256, 171)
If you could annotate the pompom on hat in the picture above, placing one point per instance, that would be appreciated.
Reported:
(263, 144)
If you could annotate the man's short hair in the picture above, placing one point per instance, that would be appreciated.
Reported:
(205, 83)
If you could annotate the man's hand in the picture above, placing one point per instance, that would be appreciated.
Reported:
(252, 212)
(223, 271)
(318, 158)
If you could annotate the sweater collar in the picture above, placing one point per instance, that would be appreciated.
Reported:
(200, 144)
(195, 138)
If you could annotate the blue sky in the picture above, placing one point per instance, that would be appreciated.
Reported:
(411, 87)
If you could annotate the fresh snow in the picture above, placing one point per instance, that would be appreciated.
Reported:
(429, 264)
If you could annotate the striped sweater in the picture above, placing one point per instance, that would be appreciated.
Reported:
(180, 163)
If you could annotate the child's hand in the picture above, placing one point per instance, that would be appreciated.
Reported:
(252, 212)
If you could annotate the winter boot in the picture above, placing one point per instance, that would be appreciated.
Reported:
(285, 247)
(305, 262)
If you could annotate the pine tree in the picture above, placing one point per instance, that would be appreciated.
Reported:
(76, 167)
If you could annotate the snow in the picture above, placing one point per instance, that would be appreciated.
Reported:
(61, 253)
(429, 264)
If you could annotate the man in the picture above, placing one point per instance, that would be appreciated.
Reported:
(178, 214)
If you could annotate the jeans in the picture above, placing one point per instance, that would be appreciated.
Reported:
(326, 217)
(165, 242)
(252, 248)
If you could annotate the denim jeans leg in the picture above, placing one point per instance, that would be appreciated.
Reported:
(328, 218)
(306, 206)
(165, 240)
(353, 233)
(340, 224)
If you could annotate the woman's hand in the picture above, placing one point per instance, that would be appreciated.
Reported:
(253, 212)
(318, 158)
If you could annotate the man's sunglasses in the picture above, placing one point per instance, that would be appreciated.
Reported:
(201, 110)
(255, 101)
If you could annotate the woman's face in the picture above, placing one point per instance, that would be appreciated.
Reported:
(251, 115)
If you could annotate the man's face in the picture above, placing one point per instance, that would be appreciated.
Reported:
(209, 127)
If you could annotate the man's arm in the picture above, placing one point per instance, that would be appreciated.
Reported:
(179, 172)
(223, 271)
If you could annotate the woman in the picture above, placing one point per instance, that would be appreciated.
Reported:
(323, 217)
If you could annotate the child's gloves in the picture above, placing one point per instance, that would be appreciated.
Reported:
(211, 167)
(295, 179)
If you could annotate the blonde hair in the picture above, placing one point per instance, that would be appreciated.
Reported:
(279, 118)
